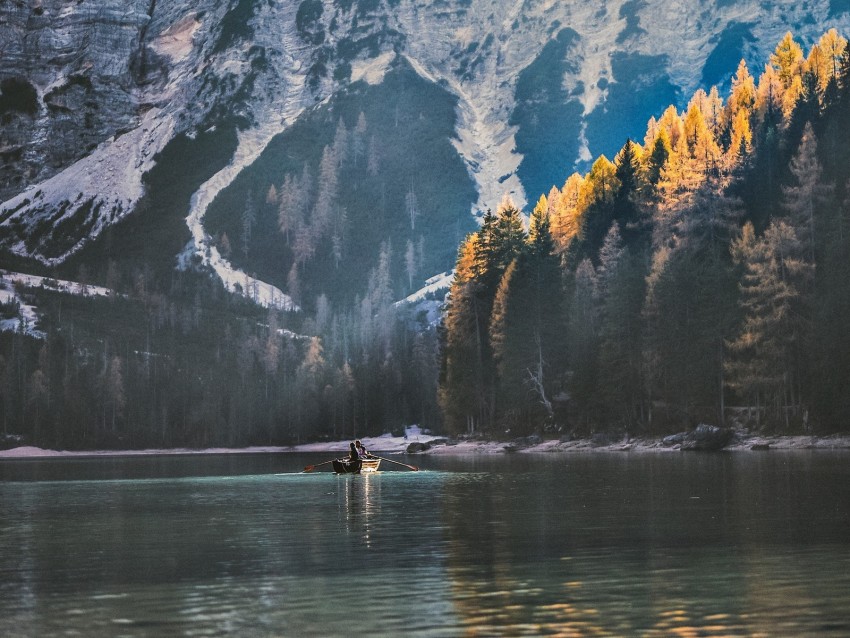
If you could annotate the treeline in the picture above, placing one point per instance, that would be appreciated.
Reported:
(703, 273)
(194, 366)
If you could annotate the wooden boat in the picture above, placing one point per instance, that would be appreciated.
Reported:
(361, 466)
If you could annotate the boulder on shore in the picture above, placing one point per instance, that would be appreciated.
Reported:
(674, 439)
(523, 442)
(707, 438)
(418, 446)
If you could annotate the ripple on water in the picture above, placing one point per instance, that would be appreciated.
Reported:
(604, 547)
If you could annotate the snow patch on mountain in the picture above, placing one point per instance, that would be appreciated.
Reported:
(28, 317)
(274, 110)
(435, 284)
(99, 190)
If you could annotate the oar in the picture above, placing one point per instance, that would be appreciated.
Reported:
(409, 467)
(310, 468)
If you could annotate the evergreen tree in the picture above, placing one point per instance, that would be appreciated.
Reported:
(461, 393)
(765, 358)
(690, 307)
(526, 327)
(596, 202)
(621, 286)
(807, 195)
(583, 345)
(741, 139)
(564, 213)
(787, 59)
(743, 92)
(701, 145)
(657, 158)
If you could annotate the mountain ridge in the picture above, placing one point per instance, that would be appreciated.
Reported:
(256, 67)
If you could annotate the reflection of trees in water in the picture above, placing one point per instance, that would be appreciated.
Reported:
(707, 549)
(500, 582)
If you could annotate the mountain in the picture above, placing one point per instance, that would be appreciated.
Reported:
(122, 119)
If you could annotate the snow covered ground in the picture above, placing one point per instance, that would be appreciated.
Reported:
(26, 319)
(28, 316)
(56, 285)
(443, 281)
(389, 444)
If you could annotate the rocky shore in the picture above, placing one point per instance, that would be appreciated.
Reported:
(737, 442)
(701, 438)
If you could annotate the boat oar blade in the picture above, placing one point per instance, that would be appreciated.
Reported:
(310, 468)
(409, 467)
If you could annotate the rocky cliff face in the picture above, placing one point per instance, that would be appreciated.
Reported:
(91, 92)
(68, 82)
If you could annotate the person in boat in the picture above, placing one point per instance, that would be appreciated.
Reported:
(361, 449)
(352, 463)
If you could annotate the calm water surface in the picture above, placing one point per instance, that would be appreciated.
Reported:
(742, 544)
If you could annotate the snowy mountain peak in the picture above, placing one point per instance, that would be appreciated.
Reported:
(540, 87)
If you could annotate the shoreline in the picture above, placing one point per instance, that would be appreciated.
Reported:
(440, 446)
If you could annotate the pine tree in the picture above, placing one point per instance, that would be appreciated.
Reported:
(288, 206)
(627, 164)
(657, 158)
(711, 220)
(583, 345)
(680, 176)
(359, 137)
(743, 92)
(525, 327)
(595, 201)
(807, 195)
(769, 97)
(765, 356)
(672, 123)
(701, 144)
(787, 59)
(324, 212)
(114, 394)
(564, 215)
(412, 207)
(547, 311)
(461, 389)
(410, 263)
(741, 139)
(833, 47)
(689, 307)
(310, 384)
(249, 216)
(501, 239)
(271, 196)
(621, 285)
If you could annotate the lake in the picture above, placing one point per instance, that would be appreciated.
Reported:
(587, 544)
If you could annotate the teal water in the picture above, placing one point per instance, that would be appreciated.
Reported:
(742, 544)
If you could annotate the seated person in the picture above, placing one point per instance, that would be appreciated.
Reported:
(361, 449)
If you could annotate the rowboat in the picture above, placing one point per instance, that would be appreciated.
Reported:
(361, 466)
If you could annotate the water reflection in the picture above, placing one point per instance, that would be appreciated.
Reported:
(360, 504)
(605, 545)
(644, 546)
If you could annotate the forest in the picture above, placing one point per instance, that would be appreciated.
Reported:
(702, 275)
